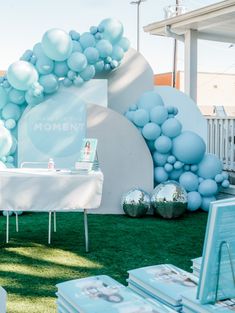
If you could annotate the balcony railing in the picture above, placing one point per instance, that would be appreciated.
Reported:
(221, 140)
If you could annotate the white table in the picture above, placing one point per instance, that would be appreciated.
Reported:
(42, 190)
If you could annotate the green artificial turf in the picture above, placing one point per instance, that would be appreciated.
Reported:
(30, 268)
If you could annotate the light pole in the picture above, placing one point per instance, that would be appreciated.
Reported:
(138, 3)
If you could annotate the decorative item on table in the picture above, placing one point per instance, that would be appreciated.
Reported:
(169, 200)
(136, 202)
(87, 155)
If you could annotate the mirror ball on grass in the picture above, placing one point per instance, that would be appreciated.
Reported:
(136, 203)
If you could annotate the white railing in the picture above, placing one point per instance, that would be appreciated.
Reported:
(221, 139)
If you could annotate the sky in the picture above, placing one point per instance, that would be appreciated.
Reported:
(23, 23)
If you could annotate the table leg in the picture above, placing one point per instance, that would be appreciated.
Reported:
(54, 222)
(17, 222)
(86, 231)
(7, 228)
(49, 229)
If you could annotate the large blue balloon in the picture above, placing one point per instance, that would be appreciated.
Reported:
(88, 73)
(16, 96)
(171, 127)
(21, 75)
(141, 117)
(163, 144)
(77, 61)
(210, 166)
(87, 40)
(189, 181)
(208, 187)
(5, 141)
(11, 111)
(104, 47)
(188, 147)
(92, 55)
(57, 44)
(49, 83)
(61, 69)
(194, 200)
(3, 97)
(148, 100)
(112, 30)
(160, 175)
(151, 131)
(158, 114)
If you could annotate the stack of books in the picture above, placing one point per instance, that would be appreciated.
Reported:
(164, 283)
(196, 266)
(102, 294)
(192, 305)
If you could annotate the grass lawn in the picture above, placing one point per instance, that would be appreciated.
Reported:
(30, 269)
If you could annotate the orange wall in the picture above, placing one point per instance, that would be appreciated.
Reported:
(165, 79)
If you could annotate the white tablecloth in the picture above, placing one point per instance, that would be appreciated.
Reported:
(44, 190)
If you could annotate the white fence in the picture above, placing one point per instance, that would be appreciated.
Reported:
(221, 140)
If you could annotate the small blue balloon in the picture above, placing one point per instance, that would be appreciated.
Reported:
(225, 175)
(163, 144)
(93, 30)
(88, 73)
(186, 167)
(158, 115)
(219, 178)
(171, 159)
(171, 127)
(189, 181)
(160, 175)
(225, 184)
(44, 65)
(175, 174)
(78, 81)
(159, 158)
(49, 83)
(118, 53)
(10, 123)
(124, 43)
(37, 50)
(151, 131)
(107, 67)
(16, 96)
(130, 116)
(71, 75)
(206, 201)
(210, 166)
(3, 97)
(61, 69)
(194, 200)
(98, 36)
(77, 46)
(87, 40)
(11, 111)
(194, 168)
(74, 35)
(178, 165)
(92, 55)
(26, 55)
(149, 100)
(168, 167)
(99, 66)
(200, 179)
(10, 159)
(67, 82)
(170, 109)
(208, 187)
(77, 62)
(104, 47)
(141, 117)
(32, 99)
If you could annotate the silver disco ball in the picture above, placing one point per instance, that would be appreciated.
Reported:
(169, 199)
(136, 202)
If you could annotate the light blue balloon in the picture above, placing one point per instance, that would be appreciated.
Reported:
(11, 111)
(57, 44)
(118, 53)
(186, 167)
(61, 69)
(113, 29)
(93, 30)
(78, 81)
(178, 165)
(225, 184)
(107, 67)
(99, 66)
(160, 175)
(104, 47)
(141, 117)
(158, 114)
(37, 50)
(130, 115)
(189, 181)
(133, 107)
(77, 62)
(3, 97)
(33, 59)
(194, 200)
(98, 36)
(206, 203)
(6, 84)
(33, 100)
(208, 187)
(10, 123)
(16, 96)
(44, 65)
(170, 109)
(88, 73)
(26, 55)
(189, 148)
(87, 40)
(71, 75)
(148, 100)
(74, 35)
(171, 159)
(175, 174)
(168, 167)
(10, 159)
(210, 166)
(225, 175)
(67, 82)
(151, 131)
(124, 43)
(5, 141)
(171, 127)
(49, 82)
(163, 144)
(194, 168)
(159, 158)
(114, 64)
(219, 178)
(21, 75)
(77, 46)
(92, 55)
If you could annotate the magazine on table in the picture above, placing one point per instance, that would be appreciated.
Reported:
(220, 228)
(87, 154)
